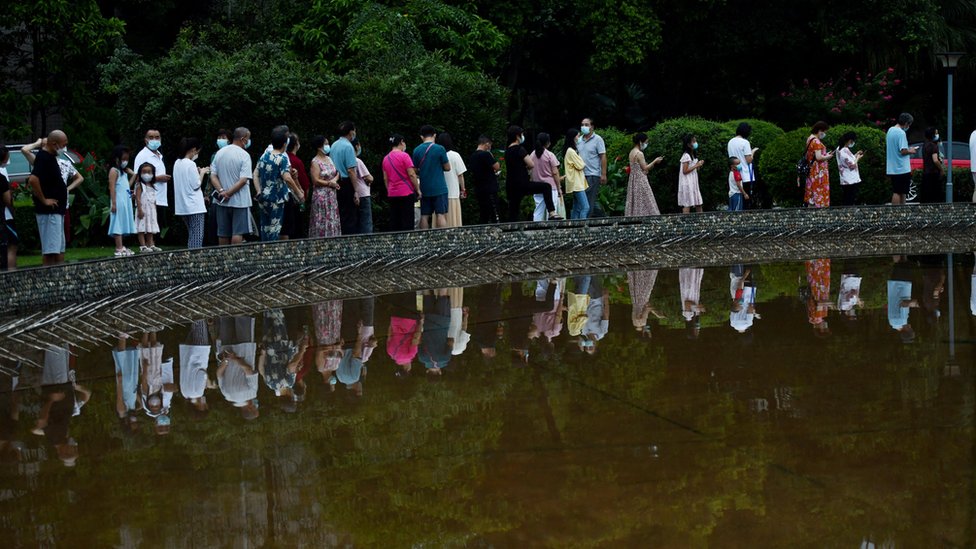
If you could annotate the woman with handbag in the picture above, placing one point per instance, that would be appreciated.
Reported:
(402, 184)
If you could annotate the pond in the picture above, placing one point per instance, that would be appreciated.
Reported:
(817, 403)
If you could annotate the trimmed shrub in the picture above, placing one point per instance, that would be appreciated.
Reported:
(665, 140)
(778, 166)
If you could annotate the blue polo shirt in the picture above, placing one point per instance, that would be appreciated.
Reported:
(590, 151)
(430, 168)
(895, 141)
(343, 155)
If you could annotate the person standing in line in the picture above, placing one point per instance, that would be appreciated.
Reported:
(364, 182)
(898, 158)
(689, 195)
(641, 285)
(817, 191)
(740, 148)
(122, 217)
(230, 173)
(294, 224)
(900, 302)
(151, 154)
(518, 164)
(737, 195)
(237, 377)
(454, 179)
(593, 151)
(188, 191)
(818, 301)
(194, 368)
(575, 178)
(689, 282)
(933, 169)
(972, 158)
(50, 198)
(8, 225)
(545, 168)
(402, 184)
(484, 170)
(324, 214)
(431, 162)
(147, 225)
(640, 196)
(343, 155)
(223, 138)
(850, 175)
(273, 183)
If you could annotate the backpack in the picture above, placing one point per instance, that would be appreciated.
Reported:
(803, 165)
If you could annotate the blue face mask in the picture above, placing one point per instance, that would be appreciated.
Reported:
(936, 138)
(248, 144)
(585, 130)
(154, 144)
(221, 143)
(694, 146)
(521, 139)
(326, 149)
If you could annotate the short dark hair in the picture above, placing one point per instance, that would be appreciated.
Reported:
(484, 140)
(513, 132)
(744, 129)
(222, 132)
(930, 133)
(278, 139)
(905, 119)
(428, 131)
(733, 160)
(241, 133)
(820, 126)
(293, 143)
(317, 142)
(640, 138)
(189, 143)
(4, 153)
(346, 128)
(394, 140)
(444, 140)
(847, 138)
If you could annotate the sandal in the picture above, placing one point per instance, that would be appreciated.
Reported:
(120, 253)
(156, 248)
(145, 249)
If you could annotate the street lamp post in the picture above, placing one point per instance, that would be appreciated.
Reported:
(950, 60)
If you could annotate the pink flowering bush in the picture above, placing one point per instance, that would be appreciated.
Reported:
(851, 98)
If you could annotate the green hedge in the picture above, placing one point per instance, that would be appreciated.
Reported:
(778, 165)
(665, 140)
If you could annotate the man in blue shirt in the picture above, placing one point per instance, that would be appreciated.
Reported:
(431, 162)
(594, 153)
(898, 153)
(343, 155)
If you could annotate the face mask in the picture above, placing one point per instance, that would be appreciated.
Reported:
(146, 177)
(221, 143)
(326, 149)
(694, 146)
(154, 144)
(643, 146)
(359, 152)
(288, 143)
(936, 137)
(821, 135)
(739, 167)
(585, 130)
(248, 144)
(124, 164)
(851, 146)
(521, 139)
(195, 157)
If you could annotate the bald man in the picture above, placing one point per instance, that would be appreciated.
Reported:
(50, 198)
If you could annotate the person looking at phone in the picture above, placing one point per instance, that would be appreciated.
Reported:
(850, 176)
(898, 153)
(229, 176)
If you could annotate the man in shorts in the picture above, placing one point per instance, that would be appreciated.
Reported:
(230, 173)
(50, 198)
(898, 155)
(431, 162)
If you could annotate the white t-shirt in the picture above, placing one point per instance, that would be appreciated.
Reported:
(230, 165)
(186, 188)
(596, 326)
(733, 186)
(972, 295)
(740, 148)
(194, 360)
(847, 165)
(455, 331)
(451, 177)
(237, 386)
(146, 155)
(972, 151)
(850, 290)
(742, 319)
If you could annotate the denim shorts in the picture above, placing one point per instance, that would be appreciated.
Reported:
(51, 230)
(433, 204)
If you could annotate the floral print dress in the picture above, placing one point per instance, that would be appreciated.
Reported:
(274, 193)
(640, 197)
(817, 192)
(324, 215)
(818, 277)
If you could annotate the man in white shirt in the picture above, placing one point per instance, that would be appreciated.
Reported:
(151, 154)
(229, 175)
(740, 148)
(972, 160)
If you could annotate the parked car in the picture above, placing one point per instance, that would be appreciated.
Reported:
(960, 155)
(19, 168)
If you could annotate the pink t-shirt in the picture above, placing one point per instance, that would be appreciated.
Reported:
(545, 167)
(362, 189)
(400, 345)
(396, 166)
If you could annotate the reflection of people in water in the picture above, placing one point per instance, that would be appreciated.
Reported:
(690, 280)
(367, 328)
(194, 362)
(11, 448)
(58, 394)
(237, 377)
(156, 383)
(487, 310)
(849, 296)
(126, 383)
(550, 323)
(933, 285)
(819, 302)
(326, 318)
(280, 358)
(972, 289)
(900, 300)
(457, 332)
(742, 290)
(435, 345)
(521, 310)
(588, 314)
(641, 284)
(406, 329)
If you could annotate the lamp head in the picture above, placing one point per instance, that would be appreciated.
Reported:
(950, 59)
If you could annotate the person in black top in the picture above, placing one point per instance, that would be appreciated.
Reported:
(484, 170)
(933, 169)
(518, 186)
(50, 198)
(8, 230)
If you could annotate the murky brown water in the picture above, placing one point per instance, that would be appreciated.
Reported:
(753, 406)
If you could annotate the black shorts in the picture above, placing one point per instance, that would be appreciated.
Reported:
(900, 183)
(9, 232)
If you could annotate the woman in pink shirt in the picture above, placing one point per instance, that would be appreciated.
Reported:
(402, 185)
(406, 328)
(545, 169)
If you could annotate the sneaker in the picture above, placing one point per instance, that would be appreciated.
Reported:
(556, 218)
(156, 248)
(145, 249)
(120, 253)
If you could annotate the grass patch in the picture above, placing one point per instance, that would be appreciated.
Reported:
(71, 255)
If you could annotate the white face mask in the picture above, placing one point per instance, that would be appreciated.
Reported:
(124, 164)
(195, 157)
(146, 177)
(643, 146)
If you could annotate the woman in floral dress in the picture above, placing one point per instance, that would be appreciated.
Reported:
(274, 183)
(640, 197)
(817, 193)
(818, 302)
(324, 214)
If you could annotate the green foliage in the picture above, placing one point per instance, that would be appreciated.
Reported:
(778, 165)
(851, 97)
(623, 33)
